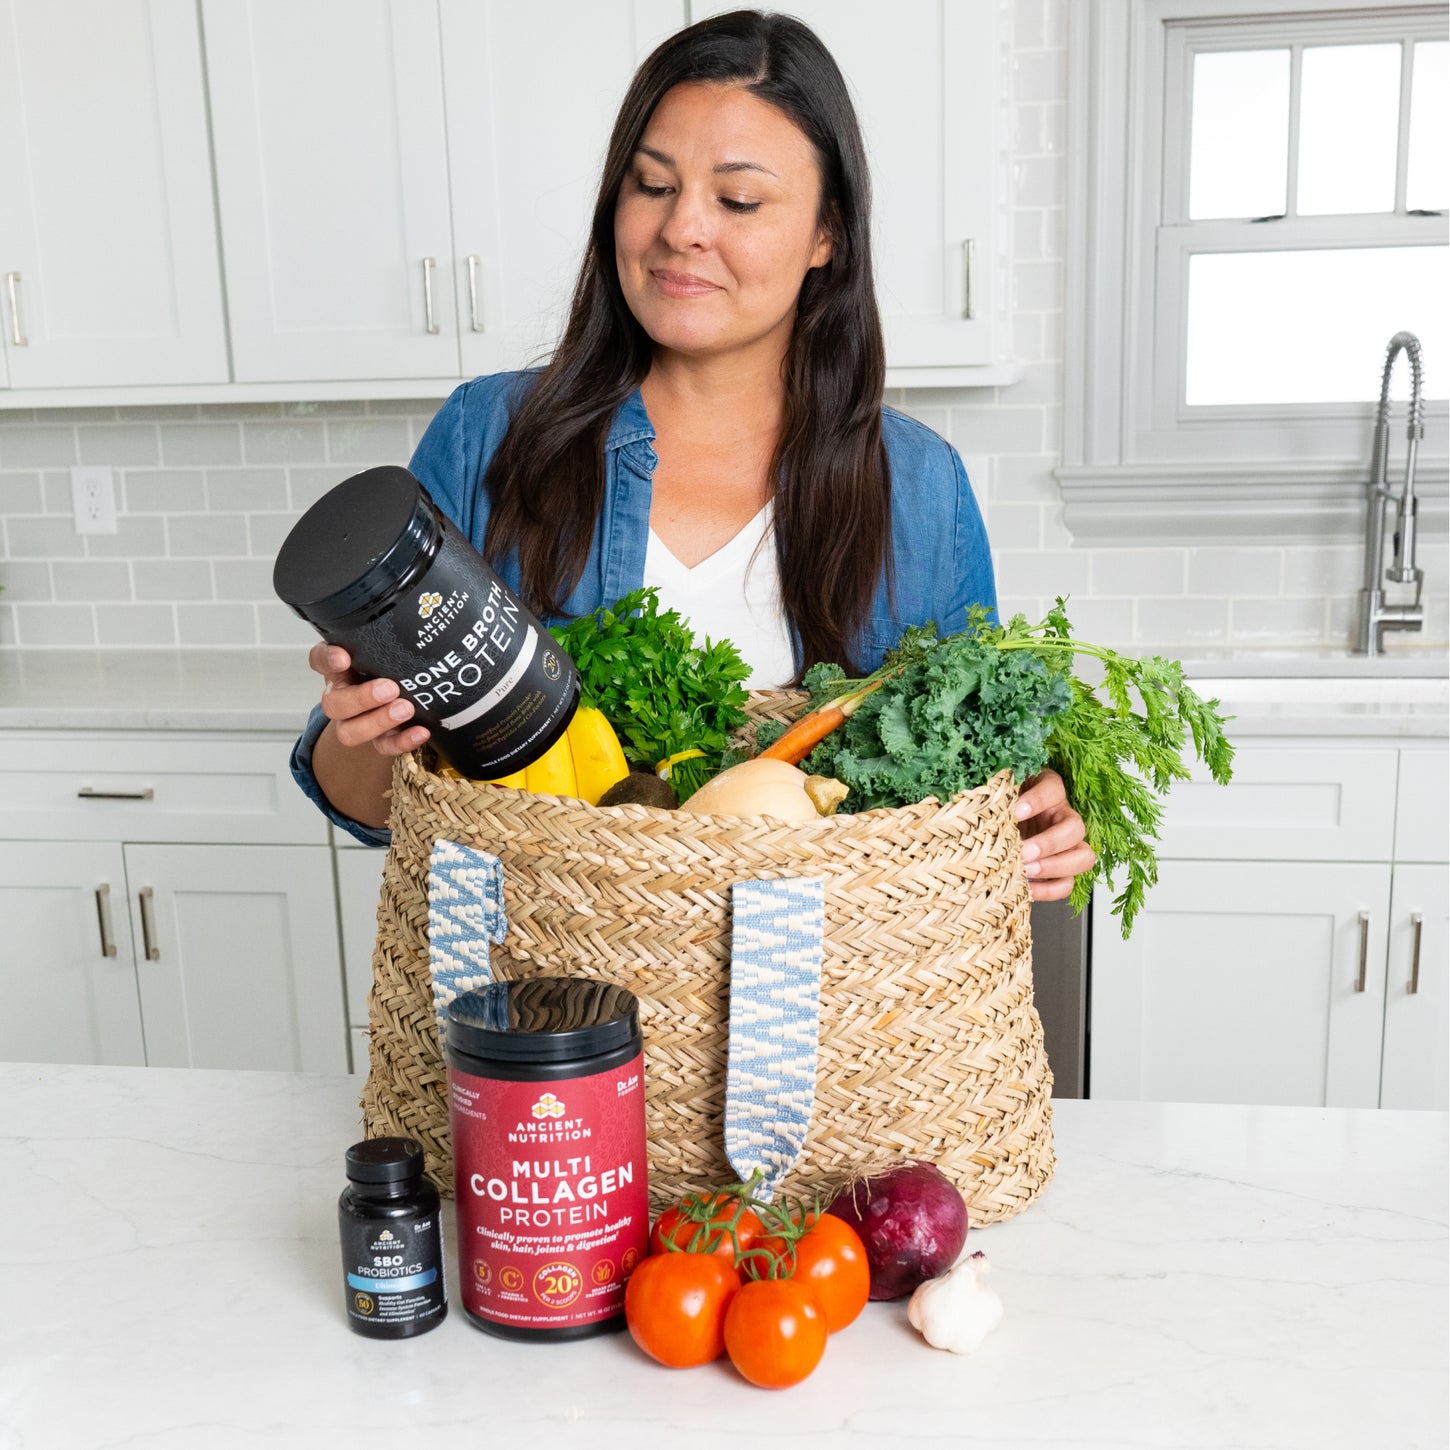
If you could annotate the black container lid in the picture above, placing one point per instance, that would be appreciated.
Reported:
(545, 1019)
(358, 541)
(385, 1160)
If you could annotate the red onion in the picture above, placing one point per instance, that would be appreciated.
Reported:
(912, 1221)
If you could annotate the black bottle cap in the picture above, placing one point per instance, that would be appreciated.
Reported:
(385, 1160)
(354, 545)
(544, 1019)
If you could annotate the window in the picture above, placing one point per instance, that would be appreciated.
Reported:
(1264, 199)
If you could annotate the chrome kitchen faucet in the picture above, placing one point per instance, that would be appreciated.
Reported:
(1375, 616)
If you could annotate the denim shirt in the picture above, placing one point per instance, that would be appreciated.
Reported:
(939, 545)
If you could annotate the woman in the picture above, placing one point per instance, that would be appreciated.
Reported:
(711, 421)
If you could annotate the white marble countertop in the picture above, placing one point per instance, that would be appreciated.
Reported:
(1305, 694)
(1205, 1277)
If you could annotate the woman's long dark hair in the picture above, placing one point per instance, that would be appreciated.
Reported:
(832, 484)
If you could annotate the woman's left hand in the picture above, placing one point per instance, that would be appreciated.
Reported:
(1054, 838)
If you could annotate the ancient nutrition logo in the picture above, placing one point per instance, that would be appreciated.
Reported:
(548, 1106)
(427, 603)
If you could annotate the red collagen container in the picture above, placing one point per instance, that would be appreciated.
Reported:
(546, 1102)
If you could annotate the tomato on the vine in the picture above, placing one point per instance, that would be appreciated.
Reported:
(831, 1260)
(703, 1226)
(775, 1332)
(675, 1306)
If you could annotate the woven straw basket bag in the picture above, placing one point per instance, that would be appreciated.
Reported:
(929, 1043)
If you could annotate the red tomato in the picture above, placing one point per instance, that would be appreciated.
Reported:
(675, 1307)
(831, 1260)
(679, 1226)
(775, 1332)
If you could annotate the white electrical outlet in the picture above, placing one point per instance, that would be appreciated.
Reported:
(93, 497)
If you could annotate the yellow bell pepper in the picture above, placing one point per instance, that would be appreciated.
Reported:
(583, 762)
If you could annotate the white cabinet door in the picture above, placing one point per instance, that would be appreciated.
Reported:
(332, 182)
(67, 971)
(108, 244)
(237, 957)
(529, 119)
(1422, 830)
(923, 74)
(359, 881)
(1242, 984)
(1417, 1002)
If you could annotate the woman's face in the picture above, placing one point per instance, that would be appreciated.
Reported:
(717, 222)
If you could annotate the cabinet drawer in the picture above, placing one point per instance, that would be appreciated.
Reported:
(1287, 803)
(1421, 826)
(83, 786)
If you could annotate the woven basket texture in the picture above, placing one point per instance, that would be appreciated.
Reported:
(930, 1045)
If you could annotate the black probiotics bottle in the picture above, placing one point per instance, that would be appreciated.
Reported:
(392, 1241)
(375, 567)
(546, 1106)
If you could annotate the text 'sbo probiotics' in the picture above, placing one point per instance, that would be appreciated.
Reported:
(375, 567)
(546, 1104)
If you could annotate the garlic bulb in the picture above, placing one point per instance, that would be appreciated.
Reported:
(957, 1311)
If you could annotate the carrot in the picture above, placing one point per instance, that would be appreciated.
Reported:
(810, 730)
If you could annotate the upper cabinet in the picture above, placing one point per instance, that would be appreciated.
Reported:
(332, 187)
(528, 124)
(404, 187)
(923, 76)
(108, 250)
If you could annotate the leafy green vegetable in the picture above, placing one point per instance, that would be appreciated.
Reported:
(663, 693)
(945, 720)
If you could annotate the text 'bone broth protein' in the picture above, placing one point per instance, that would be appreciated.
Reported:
(546, 1106)
(375, 567)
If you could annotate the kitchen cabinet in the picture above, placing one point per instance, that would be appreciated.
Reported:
(523, 170)
(1272, 962)
(108, 248)
(927, 91)
(170, 901)
(332, 188)
(359, 882)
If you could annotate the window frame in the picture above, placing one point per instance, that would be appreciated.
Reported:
(1137, 460)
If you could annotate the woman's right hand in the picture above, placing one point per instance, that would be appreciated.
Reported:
(363, 712)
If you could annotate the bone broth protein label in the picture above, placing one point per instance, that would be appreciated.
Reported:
(550, 1171)
(375, 567)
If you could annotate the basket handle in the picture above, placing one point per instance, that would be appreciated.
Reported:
(776, 934)
(465, 914)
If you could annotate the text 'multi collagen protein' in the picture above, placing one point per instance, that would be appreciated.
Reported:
(546, 1103)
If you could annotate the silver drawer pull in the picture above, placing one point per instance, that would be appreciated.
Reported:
(428, 264)
(89, 793)
(12, 281)
(969, 247)
(103, 911)
(1418, 922)
(148, 925)
(473, 322)
(1363, 950)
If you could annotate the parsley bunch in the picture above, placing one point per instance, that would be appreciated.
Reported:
(662, 693)
(944, 720)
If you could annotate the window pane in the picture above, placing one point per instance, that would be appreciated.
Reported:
(1349, 125)
(1426, 187)
(1312, 326)
(1239, 164)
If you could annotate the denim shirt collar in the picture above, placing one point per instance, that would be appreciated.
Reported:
(631, 425)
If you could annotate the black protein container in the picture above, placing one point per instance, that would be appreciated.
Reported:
(546, 1106)
(392, 1241)
(375, 567)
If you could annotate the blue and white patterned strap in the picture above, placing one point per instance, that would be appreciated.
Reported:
(465, 914)
(775, 1005)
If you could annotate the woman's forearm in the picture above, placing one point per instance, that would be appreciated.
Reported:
(353, 778)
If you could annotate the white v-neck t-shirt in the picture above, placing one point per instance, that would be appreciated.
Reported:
(734, 595)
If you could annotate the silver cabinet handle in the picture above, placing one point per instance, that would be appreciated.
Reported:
(1418, 922)
(12, 281)
(968, 248)
(90, 793)
(148, 925)
(428, 264)
(1363, 950)
(103, 911)
(473, 321)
